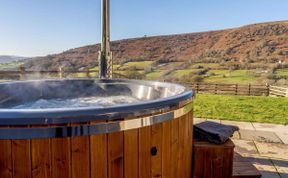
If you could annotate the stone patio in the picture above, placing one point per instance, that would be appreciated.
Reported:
(265, 145)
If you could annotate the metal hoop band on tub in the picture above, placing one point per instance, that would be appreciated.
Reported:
(92, 129)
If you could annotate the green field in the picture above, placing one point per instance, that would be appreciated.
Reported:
(206, 65)
(116, 66)
(214, 75)
(221, 76)
(94, 69)
(155, 74)
(169, 66)
(180, 73)
(11, 66)
(231, 77)
(138, 65)
(242, 108)
(282, 72)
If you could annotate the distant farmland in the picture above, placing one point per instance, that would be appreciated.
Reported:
(192, 73)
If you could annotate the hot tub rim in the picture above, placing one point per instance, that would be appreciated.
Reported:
(86, 114)
(82, 129)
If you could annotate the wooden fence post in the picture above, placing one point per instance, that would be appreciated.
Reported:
(22, 72)
(236, 89)
(197, 87)
(216, 89)
(60, 72)
(88, 73)
(249, 89)
(268, 89)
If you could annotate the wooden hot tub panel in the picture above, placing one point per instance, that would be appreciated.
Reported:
(161, 150)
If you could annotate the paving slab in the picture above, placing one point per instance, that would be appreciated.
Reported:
(261, 136)
(272, 150)
(268, 174)
(245, 147)
(271, 127)
(283, 175)
(282, 167)
(265, 167)
(283, 137)
(198, 120)
(241, 125)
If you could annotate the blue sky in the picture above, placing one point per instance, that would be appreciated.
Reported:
(40, 27)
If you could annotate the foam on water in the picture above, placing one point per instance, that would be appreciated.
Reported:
(98, 102)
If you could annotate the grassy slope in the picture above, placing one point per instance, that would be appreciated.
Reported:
(140, 65)
(180, 73)
(242, 108)
(170, 65)
(222, 76)
(155, 74)
(11, 66)
(213, 76)
(282, 72)
(237, 76)
(207, 65)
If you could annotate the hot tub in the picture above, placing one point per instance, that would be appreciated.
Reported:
(55, 129)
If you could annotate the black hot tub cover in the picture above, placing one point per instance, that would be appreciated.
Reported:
(214, 132)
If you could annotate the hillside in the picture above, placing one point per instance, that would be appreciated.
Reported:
(258, 43)
(8, 59)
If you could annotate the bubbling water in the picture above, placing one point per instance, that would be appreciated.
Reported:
(97, 102)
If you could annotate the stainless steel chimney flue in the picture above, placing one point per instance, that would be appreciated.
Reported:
(105, 54)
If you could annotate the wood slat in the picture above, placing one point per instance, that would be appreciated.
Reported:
(61, 157)
(279, 88)
(166, 153)
(156, 142)
(198, 162)
(218, 163)
(144, 152)
(6, 159)
(98, 146)
(175, 147)
(21, 159)
(80, 152)
(41, 158)
(242, 168)
(131, 154)
(188, 142)
(181, 162)
(211, 160)
(208, 162)
(228, 155)
(115, 155)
